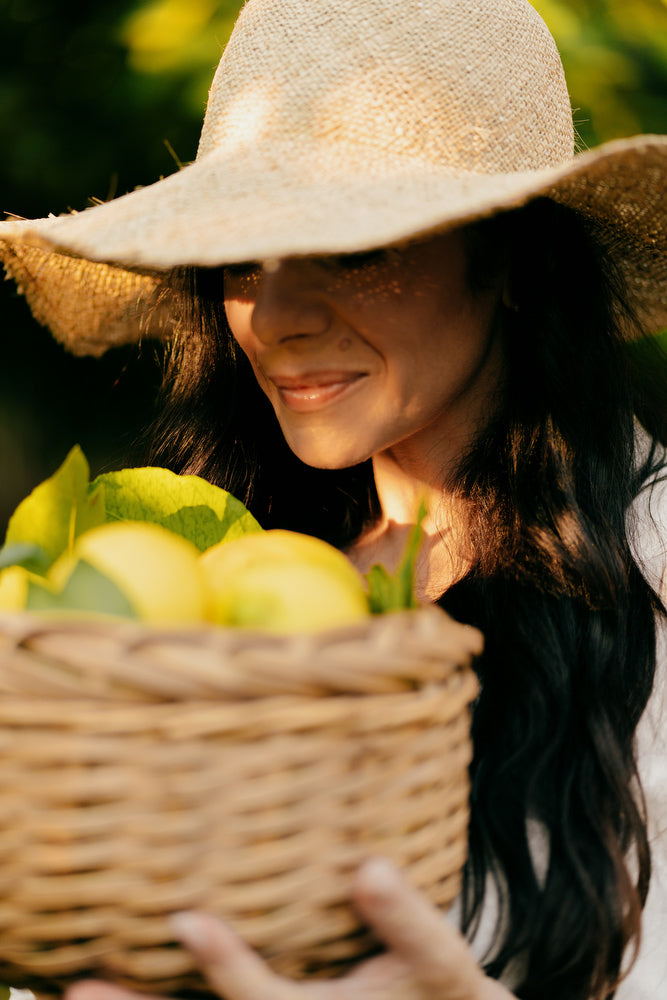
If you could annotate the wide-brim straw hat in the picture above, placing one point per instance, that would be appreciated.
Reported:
(335, 126)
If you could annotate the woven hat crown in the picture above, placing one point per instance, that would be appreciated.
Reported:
(336, 126)
(475, 85)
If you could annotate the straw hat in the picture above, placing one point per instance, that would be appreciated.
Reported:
(340, 125)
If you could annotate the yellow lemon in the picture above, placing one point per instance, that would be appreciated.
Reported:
(158, 571)
(15, 582)
(283, 581)
(13, 588)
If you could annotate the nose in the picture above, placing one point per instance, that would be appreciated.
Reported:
(290, 302)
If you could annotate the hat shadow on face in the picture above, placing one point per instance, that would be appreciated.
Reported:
(339, 129)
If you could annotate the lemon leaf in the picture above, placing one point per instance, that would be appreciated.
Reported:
(387, 592)
(384, 594)
(87, 589)
(26, 554)
(187, 505)
(59, 509)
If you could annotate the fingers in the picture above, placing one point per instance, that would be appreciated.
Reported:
(231, 967)
(407, 923)
(93, 989)
(426, 956)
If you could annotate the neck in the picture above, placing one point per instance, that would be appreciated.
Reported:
(422, 468)
(402, 485)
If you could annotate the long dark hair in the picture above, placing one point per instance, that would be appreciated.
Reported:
(569, 620)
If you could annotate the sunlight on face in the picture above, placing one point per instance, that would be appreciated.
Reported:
(363, 354)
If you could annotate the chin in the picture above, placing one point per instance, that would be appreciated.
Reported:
(321, 457)
(328, 462)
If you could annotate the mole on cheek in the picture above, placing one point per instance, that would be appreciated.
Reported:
(344, 344)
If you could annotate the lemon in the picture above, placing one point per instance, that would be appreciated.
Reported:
(14, 588)
(15, 583)
(157, 570)
(283, 581)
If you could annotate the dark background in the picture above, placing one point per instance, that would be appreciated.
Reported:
(97, 98)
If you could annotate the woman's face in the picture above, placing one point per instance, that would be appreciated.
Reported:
(363, 354)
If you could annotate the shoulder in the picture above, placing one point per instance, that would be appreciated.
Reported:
(647, 535)
(648, 977)
(647, 518)
(647, 532)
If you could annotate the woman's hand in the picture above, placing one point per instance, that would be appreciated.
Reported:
(426, 958)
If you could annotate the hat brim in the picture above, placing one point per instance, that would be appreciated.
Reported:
(221, 210)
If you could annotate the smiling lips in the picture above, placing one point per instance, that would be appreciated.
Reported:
(314, 390)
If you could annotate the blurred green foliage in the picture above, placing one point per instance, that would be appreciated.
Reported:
(615, 57)
(98, 98)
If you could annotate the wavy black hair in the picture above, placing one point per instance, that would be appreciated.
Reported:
(568, 618)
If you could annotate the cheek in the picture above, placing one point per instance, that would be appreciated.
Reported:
(239, 315)
(239, 320)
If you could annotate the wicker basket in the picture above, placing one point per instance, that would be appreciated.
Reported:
(144, 772)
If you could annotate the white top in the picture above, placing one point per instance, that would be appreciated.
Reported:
(648, 536)
(647, 980)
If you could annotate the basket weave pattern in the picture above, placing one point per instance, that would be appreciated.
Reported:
(144, 772)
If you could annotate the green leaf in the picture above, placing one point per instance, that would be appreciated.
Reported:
(186, 505)
(387, 592)
(32, 557)
(383, 592)
(87, 589)
(59, 509)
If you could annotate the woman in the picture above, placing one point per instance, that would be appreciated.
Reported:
(385, 278)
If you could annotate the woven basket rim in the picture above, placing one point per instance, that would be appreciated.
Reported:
(74, 658)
